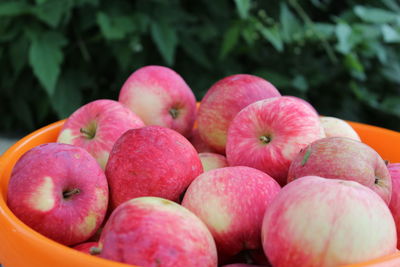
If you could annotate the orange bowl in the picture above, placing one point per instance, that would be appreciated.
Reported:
(22, 246)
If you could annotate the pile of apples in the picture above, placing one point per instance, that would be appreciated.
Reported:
(247, 178)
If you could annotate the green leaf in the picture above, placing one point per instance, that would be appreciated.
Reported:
(325, 30)
(392, 4)
(343, 34)
(375, 15)
(272, 35)
(87, 2)
(194, 50)
(392, 104)
(300, 83)
(306, 156)
(51, 12)
(230, 40)
(45, 58)
(14, 8)
(277, 79)
(115, 28)
(164, 36)
(243, 7)
(353, 63)
(392, 72)
(291, 25)
(19, 54)
(390, 35)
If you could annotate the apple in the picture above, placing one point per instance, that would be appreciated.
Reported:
(212, 161)
(268, 134)
(231, 201)
(198, 143)
(60, 191)
(88, 248)
(152, 231)
(394, 205)
(161, 97)
(343, 158)
(224, 100)
(151, 161)
(97, 125)
(242, 265)
(315, 221)
(337, 127)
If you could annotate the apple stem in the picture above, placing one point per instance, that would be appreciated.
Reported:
(69, 193)
(174, 112)
(95, 251)
(265, 139)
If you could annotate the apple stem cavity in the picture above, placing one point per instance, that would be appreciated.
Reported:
(69, 193)
(95, 251)
(265, 139)
(174, 112)
(90, 131)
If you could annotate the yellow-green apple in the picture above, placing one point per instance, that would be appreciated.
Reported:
(268, 134)
(337, 127)
(97, 125)
(60, 191)
(224, 100)
(151, 161)
(231, 201)
(211, 161)
(318, 222)
(91, 248)
(152, 231)
(161, 97)
(343, 158)
(394, 205)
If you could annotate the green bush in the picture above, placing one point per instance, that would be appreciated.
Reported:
(57, 55)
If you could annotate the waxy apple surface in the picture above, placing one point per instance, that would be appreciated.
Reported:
(151, 161)
(60, 191)
(224, 100)
(151, 231)
(335, 127)
(343, 158)
(97, 125)
(318, 222)
(211, 161)
(232, 201)
(394, 205)
(268, 134)
(161, 97)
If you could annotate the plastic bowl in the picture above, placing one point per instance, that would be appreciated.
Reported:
(22, 246)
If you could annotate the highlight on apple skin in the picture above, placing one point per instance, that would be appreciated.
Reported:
(60, 191)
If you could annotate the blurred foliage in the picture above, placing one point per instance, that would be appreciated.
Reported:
(56, 55)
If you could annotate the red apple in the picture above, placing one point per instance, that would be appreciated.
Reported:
(91, 248)
(198, 143)
(343, 158)
(60, 191)
(97, 125)
(242, 265)
(268, 134)
(315, 221)
(394, 205)
(151, 161)
(224, 100)
(161, 97)
(151, 231)
(231, 201)
(212, 161)
(338, 127)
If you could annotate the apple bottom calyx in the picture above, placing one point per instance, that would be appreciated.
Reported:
(67, 194)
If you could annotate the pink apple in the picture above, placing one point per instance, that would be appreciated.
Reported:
(97, 125)
(315, 221)
(224, 100)
(337, 127)
(60, 191)
(231, 201)
(151, 161)
(91, 248)
(198, 143)
(161, 97)
(212, 161)
(268, 134)
(394, 205)
(151, 231)
(343, 158)
(242, 265)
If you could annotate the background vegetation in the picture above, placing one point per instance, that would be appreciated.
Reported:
(56, 55)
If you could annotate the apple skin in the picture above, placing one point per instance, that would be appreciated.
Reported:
(335, 127)
(151, 231)
(212, 161)
(161, 97)
(88, 248)
(242, 265)
(343, 158)
(224, 100)
(231, 201)
(315, 221)
(97, 125)
(198, 143)
(60, 191)
(151, 161)
(268, 134)
(394, 205)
